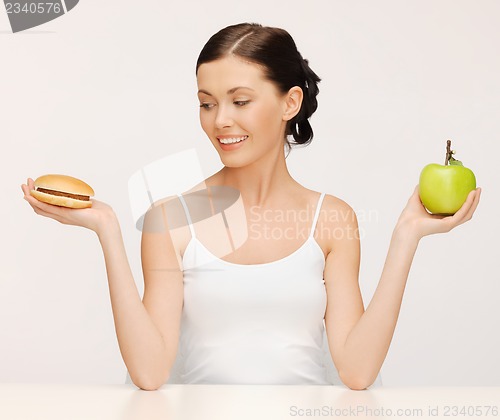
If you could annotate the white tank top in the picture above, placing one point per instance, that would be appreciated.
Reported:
(253, 324)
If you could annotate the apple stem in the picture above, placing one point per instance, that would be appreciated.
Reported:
(449, 152)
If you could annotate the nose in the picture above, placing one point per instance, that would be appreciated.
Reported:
(223, 118)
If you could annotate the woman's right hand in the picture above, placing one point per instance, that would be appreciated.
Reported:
(93, 218)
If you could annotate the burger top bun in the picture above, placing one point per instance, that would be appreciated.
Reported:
(64, 183)
(63, 190)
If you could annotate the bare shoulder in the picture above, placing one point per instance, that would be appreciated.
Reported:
(337, 211)
(338, 224)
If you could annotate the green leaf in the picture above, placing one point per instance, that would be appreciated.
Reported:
(455, 162)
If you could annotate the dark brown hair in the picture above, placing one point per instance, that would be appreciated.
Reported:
(276, 52)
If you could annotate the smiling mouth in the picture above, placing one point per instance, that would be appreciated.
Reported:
(232, 140)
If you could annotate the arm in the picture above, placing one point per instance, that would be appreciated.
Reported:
(147, 331)
(359, 340)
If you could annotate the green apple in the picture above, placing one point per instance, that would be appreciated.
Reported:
(444, 188)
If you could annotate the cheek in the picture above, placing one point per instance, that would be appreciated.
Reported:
(270, 118)
(205, 121)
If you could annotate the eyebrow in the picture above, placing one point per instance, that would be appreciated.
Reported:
(229, 92)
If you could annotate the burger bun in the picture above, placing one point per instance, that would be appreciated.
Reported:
(63, 184)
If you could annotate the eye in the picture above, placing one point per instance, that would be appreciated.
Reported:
(241, 103)
(206, 105)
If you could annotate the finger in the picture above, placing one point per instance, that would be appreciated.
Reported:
(415, 195)
(464, 210)
(416, 191)
(34, 203)
(474, 204)
(45, 207)
(26, 187)
(40, 212)
(50, 211)
(30, 185)
(461, 215)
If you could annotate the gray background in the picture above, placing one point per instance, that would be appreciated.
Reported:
(110, 87)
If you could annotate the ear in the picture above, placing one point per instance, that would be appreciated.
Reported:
(292, 103)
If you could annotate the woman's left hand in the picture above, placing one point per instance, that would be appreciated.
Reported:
(422, 223)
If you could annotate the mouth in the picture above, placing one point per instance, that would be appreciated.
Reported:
(231, 140)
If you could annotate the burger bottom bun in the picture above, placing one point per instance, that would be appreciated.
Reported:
(57, 200)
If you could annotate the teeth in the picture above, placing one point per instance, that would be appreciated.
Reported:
(232, 140)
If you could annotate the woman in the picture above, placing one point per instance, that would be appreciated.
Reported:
(256, 315)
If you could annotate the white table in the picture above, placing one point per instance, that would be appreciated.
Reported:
(240, 402)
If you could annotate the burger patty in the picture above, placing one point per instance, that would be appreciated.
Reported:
(64, 194)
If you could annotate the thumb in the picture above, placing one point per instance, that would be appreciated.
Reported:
(416, 195)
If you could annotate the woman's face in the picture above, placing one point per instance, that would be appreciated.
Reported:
(241, 112)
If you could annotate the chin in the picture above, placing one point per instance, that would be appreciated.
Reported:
(232, 160)
(233, 163)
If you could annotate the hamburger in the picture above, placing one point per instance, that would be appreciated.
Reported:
(63, 190)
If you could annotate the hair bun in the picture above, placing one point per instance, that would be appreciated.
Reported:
(300, 128)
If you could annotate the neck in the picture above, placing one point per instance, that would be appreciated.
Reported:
(262, 182)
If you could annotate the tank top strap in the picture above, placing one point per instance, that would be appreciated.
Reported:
(316, 214)
(188, 216)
